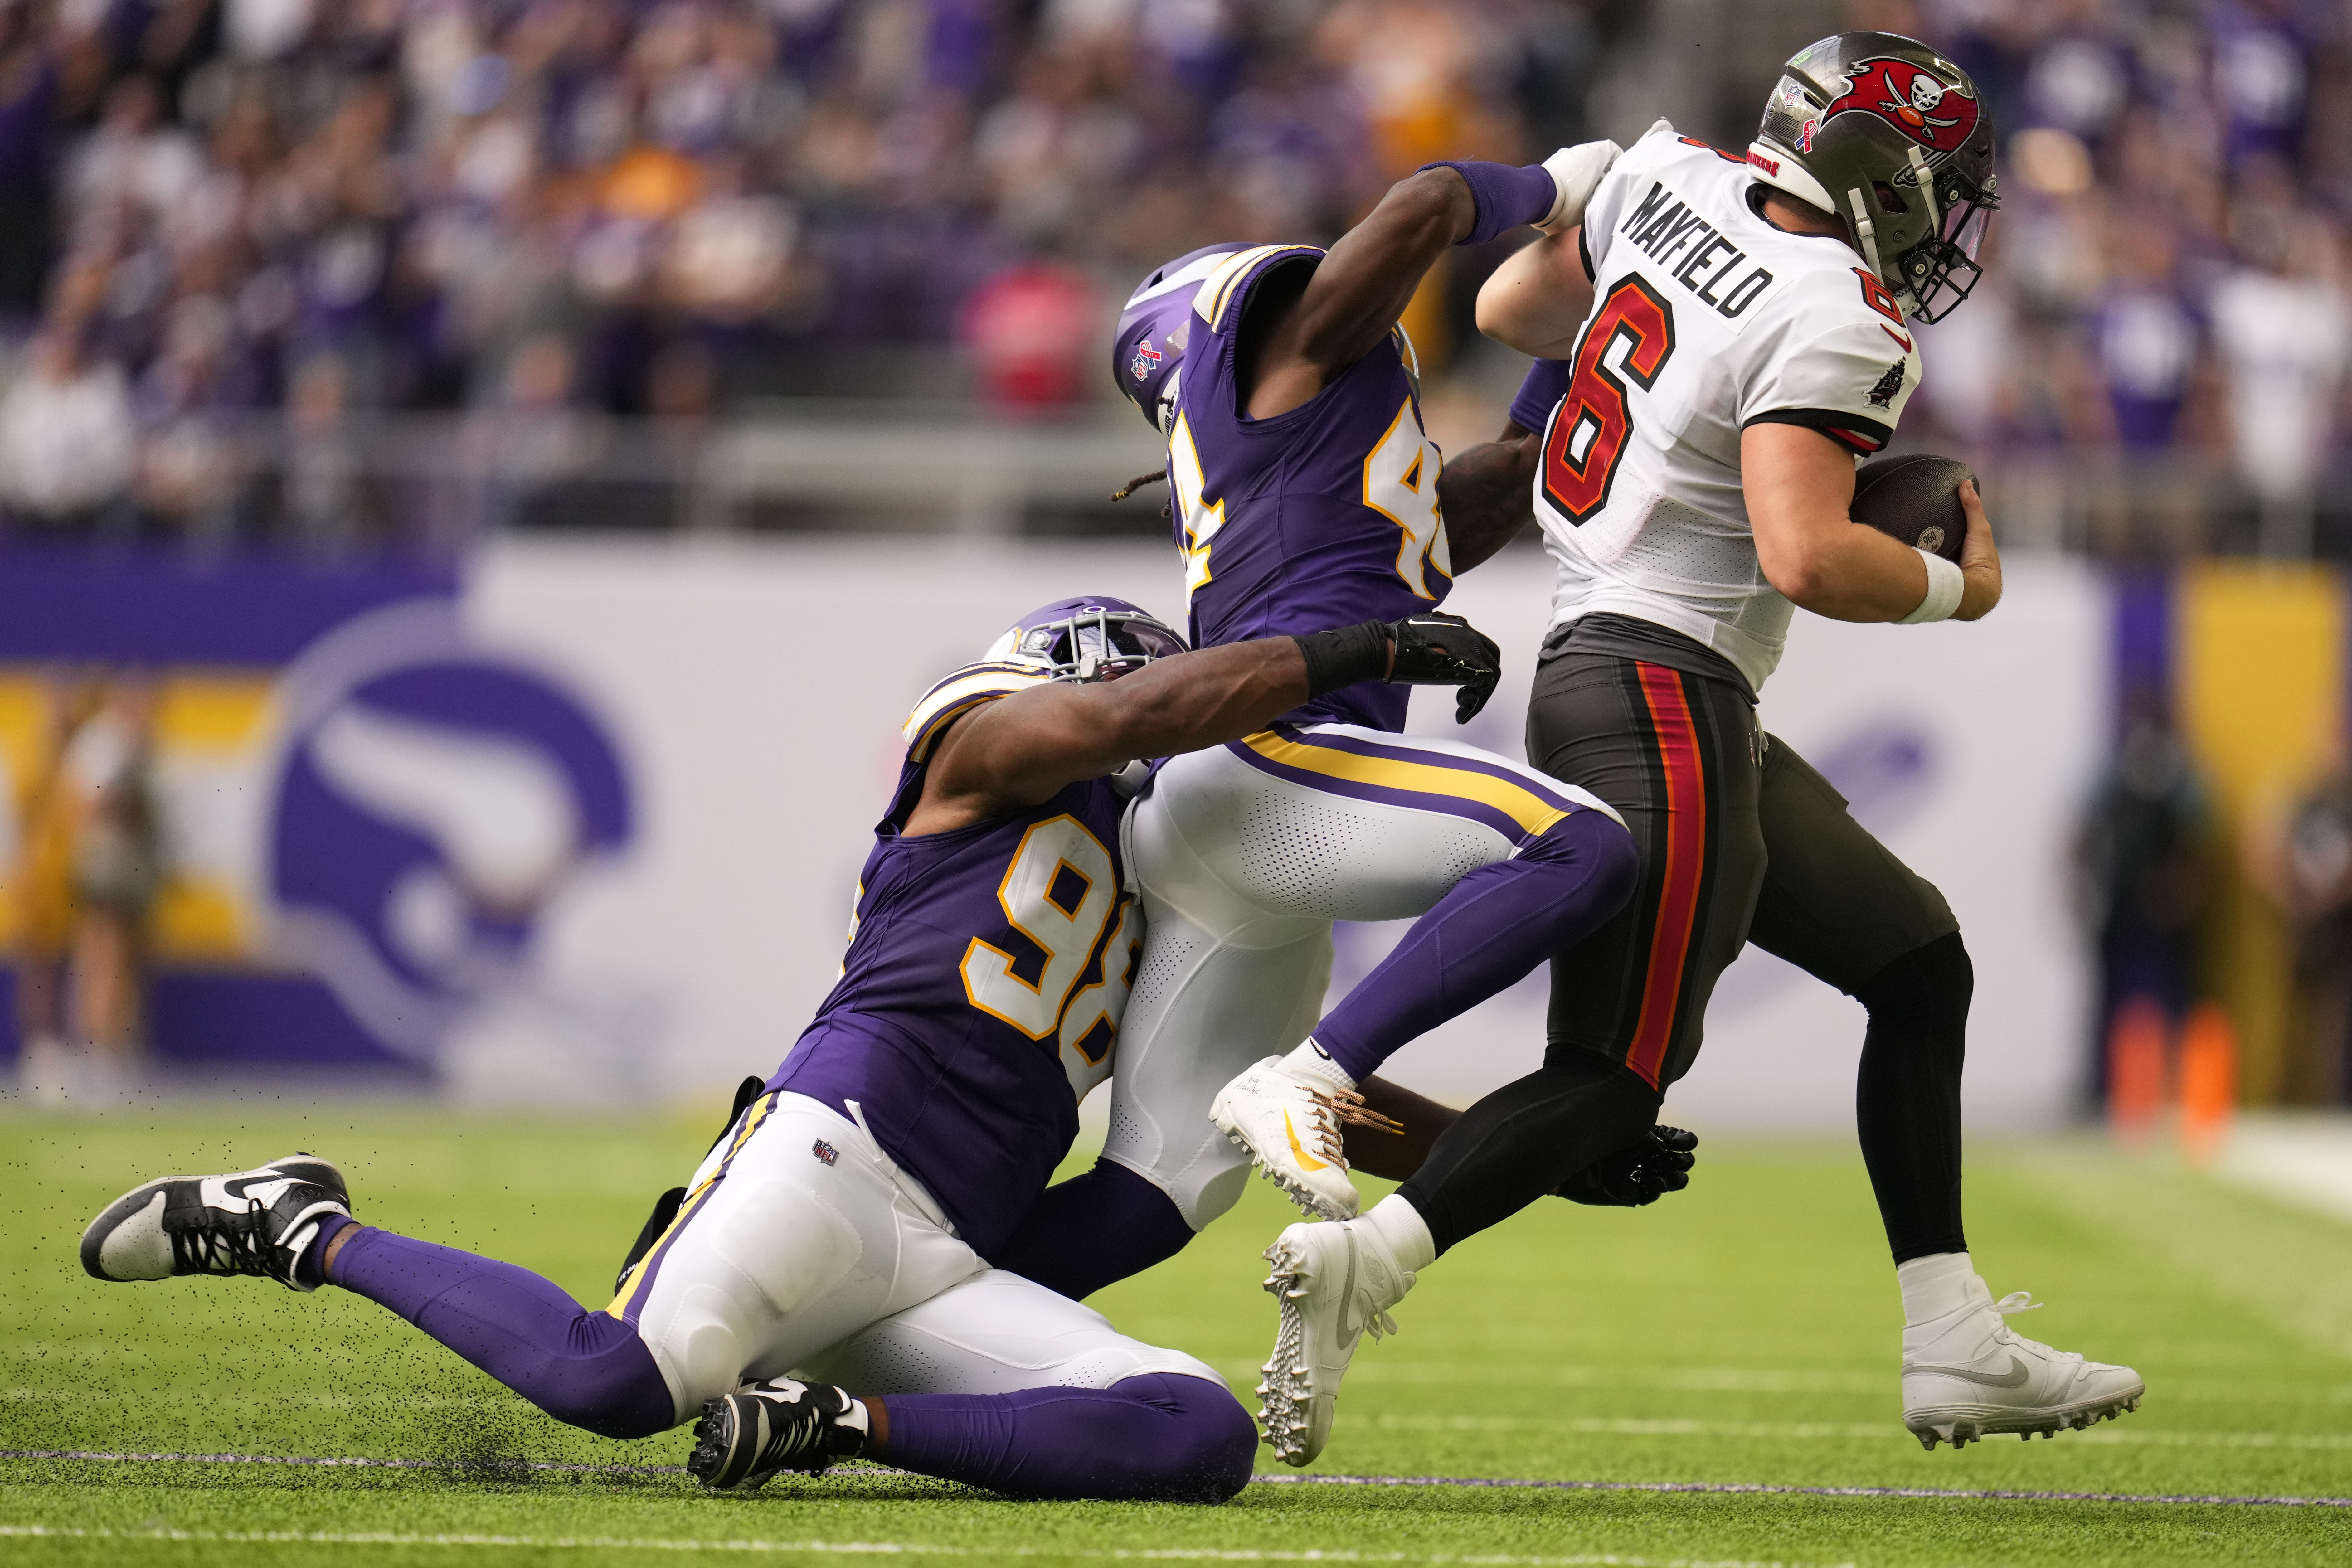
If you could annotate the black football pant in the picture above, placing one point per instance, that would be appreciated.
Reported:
(1740, 840)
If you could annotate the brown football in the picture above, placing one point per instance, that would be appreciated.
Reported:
(1916, 499)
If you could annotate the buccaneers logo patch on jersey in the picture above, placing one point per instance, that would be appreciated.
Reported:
(1935, 113)
(1882, 395)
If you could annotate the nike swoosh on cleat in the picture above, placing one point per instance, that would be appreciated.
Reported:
(1306, 1160)
(236, 1188)
(2014, 1378)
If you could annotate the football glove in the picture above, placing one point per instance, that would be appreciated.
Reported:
(1637, 1173)
(1433, 648)
(1575, 174)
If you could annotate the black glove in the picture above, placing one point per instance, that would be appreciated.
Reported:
(1637, 1173)
(1433, 648)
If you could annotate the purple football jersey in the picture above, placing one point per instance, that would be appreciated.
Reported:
(987, 972)
(1319, 518)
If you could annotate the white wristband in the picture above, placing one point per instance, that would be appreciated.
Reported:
(1575, 173)
(1946, 584)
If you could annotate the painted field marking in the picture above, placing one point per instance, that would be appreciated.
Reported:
(871, 1548)
(1880, 1430)
(1760, 1489)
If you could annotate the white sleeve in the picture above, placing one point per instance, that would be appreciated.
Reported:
(1850, 382)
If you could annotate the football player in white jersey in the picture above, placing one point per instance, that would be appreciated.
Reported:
(1718, 340)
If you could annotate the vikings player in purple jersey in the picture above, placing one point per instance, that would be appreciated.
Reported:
(839, 1232)
(1307, 495)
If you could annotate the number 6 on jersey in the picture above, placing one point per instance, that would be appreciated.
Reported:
(1588, 432)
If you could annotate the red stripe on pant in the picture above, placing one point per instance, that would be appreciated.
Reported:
(1686, 855)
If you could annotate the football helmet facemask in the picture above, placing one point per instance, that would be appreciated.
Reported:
(1085, 639)
(1893, 139)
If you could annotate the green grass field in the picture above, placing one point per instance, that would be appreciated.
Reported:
(1742, 1333)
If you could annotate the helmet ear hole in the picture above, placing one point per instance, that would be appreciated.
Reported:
(1888, 198)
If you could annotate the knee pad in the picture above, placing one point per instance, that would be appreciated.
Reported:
(1934, 979)
(610, 1385)
(1216, 1448)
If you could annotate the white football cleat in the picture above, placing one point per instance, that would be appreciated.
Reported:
(1335, 1283)
(1289, 1121)
(253, 1222)
(1969, 1375)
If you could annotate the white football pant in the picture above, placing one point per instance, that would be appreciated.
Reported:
(803, 1248)
(1244, 854)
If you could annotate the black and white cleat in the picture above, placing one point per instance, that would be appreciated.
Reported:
(764, 1428)
(252, 1222)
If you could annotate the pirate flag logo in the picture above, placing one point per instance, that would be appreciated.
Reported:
(1936, 114)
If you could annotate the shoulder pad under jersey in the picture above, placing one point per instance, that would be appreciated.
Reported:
(1215, 299)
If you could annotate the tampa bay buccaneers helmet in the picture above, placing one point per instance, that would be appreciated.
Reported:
(1892, 138)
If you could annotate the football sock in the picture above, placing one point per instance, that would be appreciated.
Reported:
(1159, 1436)
(1316, 1062)
(1082, 1234)
(311, 1269)
(587, 1368)
(1935, 1286)
(1907, 1095)
(1494, 927)
(1399, 1226)
(1520, 1142)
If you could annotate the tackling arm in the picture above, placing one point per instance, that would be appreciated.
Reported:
(1356, 294)
(1799, 484)
(1022, 750)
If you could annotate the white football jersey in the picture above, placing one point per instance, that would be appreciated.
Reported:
(1706, 320)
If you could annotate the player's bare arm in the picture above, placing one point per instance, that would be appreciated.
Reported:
(1317, 326)
(1310, 326)
(1022, 750)
(1486, 494)
(1799, 485)
(1536, 302)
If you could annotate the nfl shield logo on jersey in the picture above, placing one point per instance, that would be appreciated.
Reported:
(1147, 360)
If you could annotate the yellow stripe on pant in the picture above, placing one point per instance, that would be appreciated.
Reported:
(1531, 811)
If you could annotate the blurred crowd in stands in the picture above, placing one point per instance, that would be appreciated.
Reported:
(238, 236)
(2169, 266)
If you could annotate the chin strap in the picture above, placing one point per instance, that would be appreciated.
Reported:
(1865, 233)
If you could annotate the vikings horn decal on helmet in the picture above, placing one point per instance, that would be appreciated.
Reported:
(1154, 328)
(1892, 139)
(1070, 639)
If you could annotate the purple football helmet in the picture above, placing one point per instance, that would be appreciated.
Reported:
(1084, 639)
(1154, 327)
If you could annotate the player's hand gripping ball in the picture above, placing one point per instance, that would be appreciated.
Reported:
(1637, 1173)
(1915, 498)
(1433, 648)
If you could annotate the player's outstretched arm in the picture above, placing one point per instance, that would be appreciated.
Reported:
(1800, 484)
(1019, 752)
(1298, 342)
(1297, 345)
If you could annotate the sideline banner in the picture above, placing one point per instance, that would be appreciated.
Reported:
(585, 825)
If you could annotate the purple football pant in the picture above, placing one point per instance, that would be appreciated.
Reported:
(1158, 1435)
